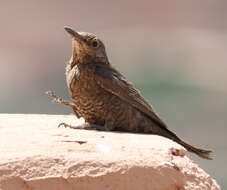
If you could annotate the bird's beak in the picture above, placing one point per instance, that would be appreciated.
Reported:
(75, 35)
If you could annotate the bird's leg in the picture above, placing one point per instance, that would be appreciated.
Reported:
(59, 100)
(76, 112)
(85, 126)
(63, 102)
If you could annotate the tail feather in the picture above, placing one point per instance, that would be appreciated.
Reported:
(200, 152)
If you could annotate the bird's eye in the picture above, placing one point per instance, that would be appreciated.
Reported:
(95, 44)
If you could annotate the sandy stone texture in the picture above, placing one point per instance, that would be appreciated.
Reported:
(36, 155)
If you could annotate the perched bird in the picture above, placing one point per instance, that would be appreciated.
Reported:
(104, 98)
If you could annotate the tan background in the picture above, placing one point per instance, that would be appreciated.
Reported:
(173, 51)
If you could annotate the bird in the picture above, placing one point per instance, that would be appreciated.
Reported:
(104, 97)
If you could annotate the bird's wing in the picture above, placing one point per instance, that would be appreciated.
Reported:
(114, 82)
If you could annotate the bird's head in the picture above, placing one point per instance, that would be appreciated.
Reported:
(86, 47)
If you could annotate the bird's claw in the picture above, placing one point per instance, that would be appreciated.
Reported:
(64, 125)
(52, 95)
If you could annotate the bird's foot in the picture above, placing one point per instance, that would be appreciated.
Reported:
(85, 126)
(63, 102)
(58, 100)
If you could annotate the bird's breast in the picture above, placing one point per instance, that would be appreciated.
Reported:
(85, 93)
(95, 104)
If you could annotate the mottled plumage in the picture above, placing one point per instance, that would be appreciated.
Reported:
(103, 96)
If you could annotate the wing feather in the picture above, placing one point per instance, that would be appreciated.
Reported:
(111, 80)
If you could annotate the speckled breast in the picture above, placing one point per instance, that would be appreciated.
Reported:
(94, 103)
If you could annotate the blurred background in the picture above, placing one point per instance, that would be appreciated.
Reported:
(173, 51)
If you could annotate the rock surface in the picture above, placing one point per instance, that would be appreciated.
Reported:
(36, 155)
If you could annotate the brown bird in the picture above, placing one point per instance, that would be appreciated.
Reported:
(103, 96)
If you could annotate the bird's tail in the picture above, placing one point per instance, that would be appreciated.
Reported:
(200, 152)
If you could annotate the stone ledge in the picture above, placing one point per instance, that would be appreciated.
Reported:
(37, 155)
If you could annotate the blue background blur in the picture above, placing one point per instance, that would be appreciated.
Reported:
(173, 51)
